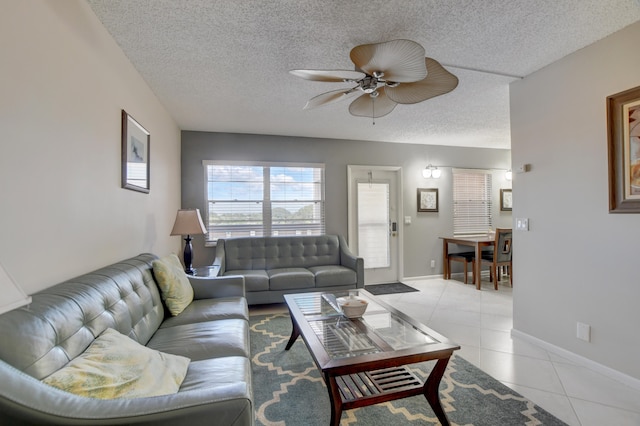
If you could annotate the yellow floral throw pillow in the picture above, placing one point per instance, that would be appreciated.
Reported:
(174, 285)
(115, 366)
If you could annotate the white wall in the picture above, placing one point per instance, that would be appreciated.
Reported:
(64, 82)
(578, 262)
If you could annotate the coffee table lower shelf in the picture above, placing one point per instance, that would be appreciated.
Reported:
(373, 387)
(379, 383)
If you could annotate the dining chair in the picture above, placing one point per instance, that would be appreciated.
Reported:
(500, 256)
(466, 258)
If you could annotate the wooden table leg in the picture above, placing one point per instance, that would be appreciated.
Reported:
(431, 390)
(336, 400)
(295, 332)
(476, 272)
(445, 263)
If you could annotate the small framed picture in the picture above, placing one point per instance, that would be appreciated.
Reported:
(427, 199)
(135, 155)
(506, 200)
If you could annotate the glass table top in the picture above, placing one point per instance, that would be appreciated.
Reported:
(378, 330)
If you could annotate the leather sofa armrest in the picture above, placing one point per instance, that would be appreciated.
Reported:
(350, 260)
(215, 287)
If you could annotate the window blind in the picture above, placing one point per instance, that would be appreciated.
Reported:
(471, 202)
(264, 199)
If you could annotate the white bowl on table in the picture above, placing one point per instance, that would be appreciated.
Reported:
(352, 307)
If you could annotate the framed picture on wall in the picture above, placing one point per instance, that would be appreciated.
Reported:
(427, 199)
(135, 155)
(623, 128)
(506, 200)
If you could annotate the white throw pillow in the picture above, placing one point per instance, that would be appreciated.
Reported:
(115, 366)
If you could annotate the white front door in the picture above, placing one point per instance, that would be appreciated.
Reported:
(374, 229)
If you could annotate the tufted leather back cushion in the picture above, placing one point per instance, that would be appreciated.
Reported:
(281, 252)
(63, 320)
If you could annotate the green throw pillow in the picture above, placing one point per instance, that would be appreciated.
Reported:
(174, 285)
(115, 366)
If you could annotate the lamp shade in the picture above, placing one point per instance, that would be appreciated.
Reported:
(11, 296)
(188, 222)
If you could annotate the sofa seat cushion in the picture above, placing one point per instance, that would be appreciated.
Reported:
(203, 340)
(217, 372)
(290, 278)
(332, 275)
(203, 310)
(254, 279)
(116, 366)
(226, 383)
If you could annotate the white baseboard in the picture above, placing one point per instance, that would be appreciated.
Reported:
(580, 360)
(424, 277)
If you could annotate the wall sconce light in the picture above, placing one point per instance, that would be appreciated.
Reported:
(508, 175)
(431, 172)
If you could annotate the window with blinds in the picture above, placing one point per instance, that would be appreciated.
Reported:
(471, 202)
(263, 199)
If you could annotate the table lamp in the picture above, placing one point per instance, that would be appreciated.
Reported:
(188, 222)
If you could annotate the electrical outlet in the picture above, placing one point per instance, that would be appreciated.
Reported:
(433, 263)
(583, 332)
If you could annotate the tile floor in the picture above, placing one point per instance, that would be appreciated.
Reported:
(481, 321)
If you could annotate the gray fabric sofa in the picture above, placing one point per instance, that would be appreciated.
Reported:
(275, 266)
(63, 320)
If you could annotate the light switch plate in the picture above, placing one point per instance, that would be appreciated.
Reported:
(407, 220)
(522, 224)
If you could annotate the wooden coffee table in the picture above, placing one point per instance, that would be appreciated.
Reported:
(364, 361)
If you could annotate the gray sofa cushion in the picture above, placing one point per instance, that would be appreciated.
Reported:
(254, 280)
(332, 275)
(204, 340)
(210, 310)
(290, 278)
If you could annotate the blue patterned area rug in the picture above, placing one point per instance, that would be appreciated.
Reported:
(288, 390)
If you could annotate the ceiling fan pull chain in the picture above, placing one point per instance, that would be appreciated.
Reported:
(373, 110)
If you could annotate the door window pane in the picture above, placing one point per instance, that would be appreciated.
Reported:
(373, 224)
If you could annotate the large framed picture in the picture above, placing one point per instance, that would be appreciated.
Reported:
(506, 200)
(623, 126)
(427, 199)
(135, 155)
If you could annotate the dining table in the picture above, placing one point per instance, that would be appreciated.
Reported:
(477, 242)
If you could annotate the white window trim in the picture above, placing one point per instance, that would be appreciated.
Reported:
(211, 242)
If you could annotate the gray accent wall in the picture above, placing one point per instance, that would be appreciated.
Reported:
(421, 242)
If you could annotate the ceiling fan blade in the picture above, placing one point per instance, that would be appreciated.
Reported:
(331, 97)
(335, 76)
(438, 82)
(401, 61)
(366, 106)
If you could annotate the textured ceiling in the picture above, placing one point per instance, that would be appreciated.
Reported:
(222, 65)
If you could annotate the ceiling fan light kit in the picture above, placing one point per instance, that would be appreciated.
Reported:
(386, 74)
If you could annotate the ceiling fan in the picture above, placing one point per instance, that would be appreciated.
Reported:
(386, 74)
